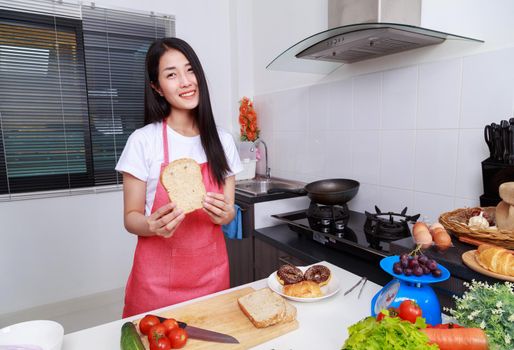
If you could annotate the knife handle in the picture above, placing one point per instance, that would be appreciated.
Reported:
(489, 139)
(511, 144)
(180, 324)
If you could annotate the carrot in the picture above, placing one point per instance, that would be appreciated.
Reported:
(457, 338)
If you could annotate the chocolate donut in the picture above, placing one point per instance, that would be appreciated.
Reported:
(318, 273)
(289, 274)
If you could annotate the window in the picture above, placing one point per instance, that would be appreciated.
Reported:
(71, 92)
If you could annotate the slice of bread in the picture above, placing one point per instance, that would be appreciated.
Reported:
(182, 179)
(290, 312)
(264, 307)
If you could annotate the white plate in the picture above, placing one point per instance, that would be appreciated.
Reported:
(328, 290)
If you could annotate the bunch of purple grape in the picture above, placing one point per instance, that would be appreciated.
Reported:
(417, 265)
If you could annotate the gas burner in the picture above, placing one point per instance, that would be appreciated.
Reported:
(328, 218)
(387, 227)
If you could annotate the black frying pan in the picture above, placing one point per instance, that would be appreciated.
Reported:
(326, 192)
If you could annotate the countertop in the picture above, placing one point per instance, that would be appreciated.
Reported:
(283, 238)
(323, 324)
(451, 258)
(250, 199)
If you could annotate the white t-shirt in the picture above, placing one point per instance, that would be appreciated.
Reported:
(143, 154)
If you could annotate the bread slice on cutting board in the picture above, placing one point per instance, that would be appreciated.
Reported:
(182, 179)
(266, 308)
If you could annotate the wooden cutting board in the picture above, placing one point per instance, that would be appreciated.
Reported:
(222, 314)
(469, 259)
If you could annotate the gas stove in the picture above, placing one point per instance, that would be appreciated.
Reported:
(349, 231)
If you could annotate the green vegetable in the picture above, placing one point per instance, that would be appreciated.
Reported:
(130, 339)
(490, 307)
(389, 333)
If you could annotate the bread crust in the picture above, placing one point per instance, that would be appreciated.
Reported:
(495, 259)
(183, 180)
(506, 191)
(505, 216)
(251, 305)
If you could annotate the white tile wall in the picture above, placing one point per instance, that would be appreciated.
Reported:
(399, 103)
(411, 136)
(366, 101)
(441, 82)
(397, 158)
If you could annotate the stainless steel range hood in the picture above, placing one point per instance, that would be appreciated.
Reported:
(361, 30)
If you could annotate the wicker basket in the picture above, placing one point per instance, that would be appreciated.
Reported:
(456, 222)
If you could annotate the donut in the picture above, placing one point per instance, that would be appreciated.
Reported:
(289, 274)
(318, 273)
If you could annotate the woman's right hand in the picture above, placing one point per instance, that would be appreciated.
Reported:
(165, 220)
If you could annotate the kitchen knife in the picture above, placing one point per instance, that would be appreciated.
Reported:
(505, 140)
(204, 334)
(511, 144)
(498, 143)
(488, 136)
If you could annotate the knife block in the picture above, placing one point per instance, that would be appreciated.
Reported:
(494, 173)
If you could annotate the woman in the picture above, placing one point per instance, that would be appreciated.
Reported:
(178, 257)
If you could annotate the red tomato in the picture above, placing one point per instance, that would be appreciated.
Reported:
(156, 332)
(147, 322)
(170, 324)
(409, 310)
(380, 316)
(162, 343)
(391, 311)
(178, 338)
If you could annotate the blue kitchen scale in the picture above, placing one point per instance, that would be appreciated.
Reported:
(412, 287)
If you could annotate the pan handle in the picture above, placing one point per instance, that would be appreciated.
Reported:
(287, 190)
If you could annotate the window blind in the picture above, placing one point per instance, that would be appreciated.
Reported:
(71, 91)
(116, 84)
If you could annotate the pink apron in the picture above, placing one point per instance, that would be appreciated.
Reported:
(191, 263)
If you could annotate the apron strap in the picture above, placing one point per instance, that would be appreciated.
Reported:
(165, 141)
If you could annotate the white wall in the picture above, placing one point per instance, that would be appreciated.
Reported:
(408, 126)
(279, 25)
(62, 248)
(205, 25)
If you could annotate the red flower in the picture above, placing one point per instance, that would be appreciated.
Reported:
(248, 120)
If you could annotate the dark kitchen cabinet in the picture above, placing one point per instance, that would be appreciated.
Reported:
(268, 259)
(240, 251)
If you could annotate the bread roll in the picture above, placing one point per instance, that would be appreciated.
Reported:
(303, 289)
(182, 179)
(422, 235)
(506, 191)
(505, 216)
(495, 259)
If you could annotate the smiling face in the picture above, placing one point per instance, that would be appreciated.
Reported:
(177, 81)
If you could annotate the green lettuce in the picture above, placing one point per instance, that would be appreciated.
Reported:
(390, 333)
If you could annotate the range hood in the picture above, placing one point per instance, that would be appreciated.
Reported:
(360, 30)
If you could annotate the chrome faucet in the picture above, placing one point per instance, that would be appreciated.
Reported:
(268, 170)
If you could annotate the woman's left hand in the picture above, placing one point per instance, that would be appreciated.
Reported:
(218, 208)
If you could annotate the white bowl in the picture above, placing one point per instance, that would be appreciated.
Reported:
(46, 334)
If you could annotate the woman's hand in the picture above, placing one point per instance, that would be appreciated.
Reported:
(218, 207)
(165, 220)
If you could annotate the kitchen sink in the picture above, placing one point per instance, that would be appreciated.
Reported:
(261, 185)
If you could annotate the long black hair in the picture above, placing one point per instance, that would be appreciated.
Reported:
(157, 108)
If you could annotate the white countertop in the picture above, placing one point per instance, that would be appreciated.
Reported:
(323, 324)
